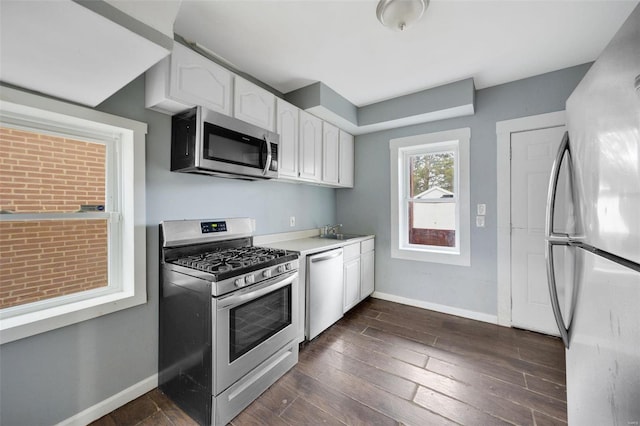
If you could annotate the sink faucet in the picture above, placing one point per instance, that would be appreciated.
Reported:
(332, 229)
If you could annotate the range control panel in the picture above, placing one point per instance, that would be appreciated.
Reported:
(217, 226)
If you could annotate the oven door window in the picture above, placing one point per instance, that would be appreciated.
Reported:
(231, 147)
(256, 321)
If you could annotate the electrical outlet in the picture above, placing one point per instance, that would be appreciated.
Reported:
(292, 221)
(480, 221)
(482, 209)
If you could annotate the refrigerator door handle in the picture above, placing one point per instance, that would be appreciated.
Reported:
(553, 239)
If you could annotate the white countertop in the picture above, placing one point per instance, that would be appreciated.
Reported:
(305, 242)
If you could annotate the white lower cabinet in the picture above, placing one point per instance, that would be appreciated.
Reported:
(351, 255)
(358, 272)
(367, 281)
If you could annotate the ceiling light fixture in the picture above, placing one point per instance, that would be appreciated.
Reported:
(399, 14)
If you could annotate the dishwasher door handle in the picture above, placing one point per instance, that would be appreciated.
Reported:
(334, 253)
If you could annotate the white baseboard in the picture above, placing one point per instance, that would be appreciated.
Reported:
(113, 402)
(478, 316)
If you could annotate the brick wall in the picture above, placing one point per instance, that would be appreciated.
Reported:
(48, 258)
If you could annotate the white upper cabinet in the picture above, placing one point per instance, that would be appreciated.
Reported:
(330, 153)
(346, 160)
(254, 105)
(187, 79)
(310, 147)
(287, 125)
(198, 81)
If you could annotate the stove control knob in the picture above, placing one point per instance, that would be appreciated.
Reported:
(280, 269)
(288, 266)
(250, 279)
(239, 282)
(266, 273)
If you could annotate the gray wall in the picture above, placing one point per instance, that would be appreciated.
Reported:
(366, 208)
(49, 377)
(52, 376)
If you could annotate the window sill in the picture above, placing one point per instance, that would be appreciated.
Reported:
(432, 256)
(31, 323)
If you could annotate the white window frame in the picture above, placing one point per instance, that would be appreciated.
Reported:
(400, 149)
(124, 211)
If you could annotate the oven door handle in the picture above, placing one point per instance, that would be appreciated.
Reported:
(269, 156)
(245, 295)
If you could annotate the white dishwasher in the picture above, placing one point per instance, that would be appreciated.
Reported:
(325, 291)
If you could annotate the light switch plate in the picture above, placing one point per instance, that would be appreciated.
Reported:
(482, 209)
(480, 221)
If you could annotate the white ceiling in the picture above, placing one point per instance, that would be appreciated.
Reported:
(65, 50)
(289, 44)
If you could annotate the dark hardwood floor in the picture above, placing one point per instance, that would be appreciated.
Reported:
(389, 364)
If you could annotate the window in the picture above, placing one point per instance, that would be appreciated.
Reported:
(72, 243)
(430, 197)
(47, 250)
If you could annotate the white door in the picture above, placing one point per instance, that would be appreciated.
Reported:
(532, 155)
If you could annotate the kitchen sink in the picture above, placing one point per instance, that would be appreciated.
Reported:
(340, 236)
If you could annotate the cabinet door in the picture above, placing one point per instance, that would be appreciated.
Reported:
(287, 125)
(310, 165)
(367, 274)
(254, 105)
(351, 283)
(195, 80)
(330, 153)
(346, 160)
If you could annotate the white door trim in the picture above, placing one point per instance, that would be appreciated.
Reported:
(504, 129)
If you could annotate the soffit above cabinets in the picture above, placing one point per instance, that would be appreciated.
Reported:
(158, 14)
(81, 51)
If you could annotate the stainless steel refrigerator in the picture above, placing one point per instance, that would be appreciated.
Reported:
(593, 256)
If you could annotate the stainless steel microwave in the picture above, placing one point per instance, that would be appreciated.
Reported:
(206, 142)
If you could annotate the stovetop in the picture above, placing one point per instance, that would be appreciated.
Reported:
(227, 262)
(220, 252)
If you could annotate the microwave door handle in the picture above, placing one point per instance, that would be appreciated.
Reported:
(553, 239)
(268, 162)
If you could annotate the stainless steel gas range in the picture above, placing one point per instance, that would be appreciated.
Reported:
(228, 316)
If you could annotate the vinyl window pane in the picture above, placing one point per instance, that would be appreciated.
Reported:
(432, 205)
(432, 175)
(50, 174)
(432, 224)
(44, 259)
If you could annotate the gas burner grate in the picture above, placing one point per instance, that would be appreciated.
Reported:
(230, 259)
